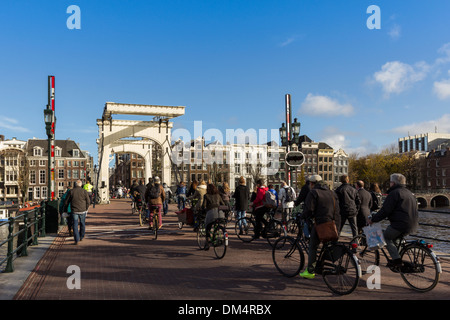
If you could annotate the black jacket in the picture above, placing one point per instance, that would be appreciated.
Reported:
(79, 200)
(242, 195)
(400, 208)
(322, 204)
(365, 202)
(348, 200)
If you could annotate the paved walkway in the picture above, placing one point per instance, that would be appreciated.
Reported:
(118, 260)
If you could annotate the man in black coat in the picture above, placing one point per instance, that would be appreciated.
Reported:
(322, 205)
(348, 204)
(79, 201)
(400, 208)
(365, 205)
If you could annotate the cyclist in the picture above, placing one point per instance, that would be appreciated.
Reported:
(211, 203)
(400, 208)
(155, 196)
(259, 209)
(320, 204)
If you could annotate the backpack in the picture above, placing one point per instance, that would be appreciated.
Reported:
(154, 191)
(270, 200)
(290, 195)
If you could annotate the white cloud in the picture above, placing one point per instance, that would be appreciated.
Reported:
(442, 89)
(395, 32)
(442, 124)
(316, 105)
(11, 124)
(396, 76)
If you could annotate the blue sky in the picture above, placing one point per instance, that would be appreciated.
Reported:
(231, 64)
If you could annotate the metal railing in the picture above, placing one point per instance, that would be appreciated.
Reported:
(33, 222)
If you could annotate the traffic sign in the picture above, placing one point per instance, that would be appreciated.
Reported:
(295, 158)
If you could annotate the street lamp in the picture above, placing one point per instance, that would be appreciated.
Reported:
(290, 137)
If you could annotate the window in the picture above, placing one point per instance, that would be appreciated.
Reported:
(69, 174)
(44, 192)
(76, 153)
(57, 152)
(32, 163)
(37, 192)
(42, 163)
(61, 173)
(75, 174)
(32, 177)
(76, 163)
(60, 163)
(41, 176)
(37, 152)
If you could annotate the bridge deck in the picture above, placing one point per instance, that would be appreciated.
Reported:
(119, 260)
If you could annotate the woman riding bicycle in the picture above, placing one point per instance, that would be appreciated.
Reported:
(400, 208)
(211, 203)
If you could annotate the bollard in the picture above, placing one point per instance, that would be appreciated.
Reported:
(36, 227)
(24, 251)
(43, 234)
(9, 264)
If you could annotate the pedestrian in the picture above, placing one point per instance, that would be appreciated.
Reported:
(241, 196)
(364, 206)
(287, 199)
(168, 194)
(197, 200)
(377, 197)
(348, 204)
(259, 209)
(271, 189)
(303, 193)
(211, 203)
(192, 188)
(321, 205)
(79, 202)
(155, 196)
(68, 211)
(225, 193)
(400, 208)
(181, 195)
(88, 187)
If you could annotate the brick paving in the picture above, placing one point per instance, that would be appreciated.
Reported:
(118, 260)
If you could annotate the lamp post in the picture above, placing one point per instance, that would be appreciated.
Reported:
(290, 134)
(50, 121)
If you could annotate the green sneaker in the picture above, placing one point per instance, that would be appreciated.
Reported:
(305, 274)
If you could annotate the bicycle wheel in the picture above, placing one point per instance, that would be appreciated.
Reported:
(340, 269)
(421, 268)
(219, 240)
(141, 213)
(365, 256)
(287, 256)
(292, 228)
(247, 233)
(201, 236)
(274, 231)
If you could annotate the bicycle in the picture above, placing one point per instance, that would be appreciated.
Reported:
(338, 266)
(272, 228)
(218, 237)
(154, 226)
(421, 268)
(143, 214)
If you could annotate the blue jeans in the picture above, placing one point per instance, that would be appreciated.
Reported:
(181, 201)
(165, 207)
(79, 234)
(391, 236)
(239, 215)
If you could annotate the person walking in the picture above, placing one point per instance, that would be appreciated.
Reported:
(68, 211)
(79, 202)
(241, 196)
(287, 199)
(321, 205)
(88, 187)
(348, 204)
(364, 206)
(168, 194)
(400, 208)
(377, 197)
(155, 196)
